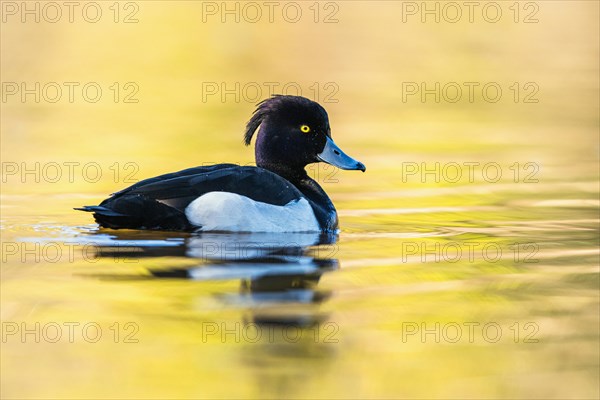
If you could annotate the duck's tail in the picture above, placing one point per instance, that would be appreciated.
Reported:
(108, 218)
(106, 212)
(136, 212)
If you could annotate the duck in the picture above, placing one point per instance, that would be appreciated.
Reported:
(277, 195)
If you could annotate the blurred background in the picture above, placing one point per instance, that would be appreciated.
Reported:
(103, 94)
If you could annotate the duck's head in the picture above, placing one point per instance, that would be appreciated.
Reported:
(293, 132)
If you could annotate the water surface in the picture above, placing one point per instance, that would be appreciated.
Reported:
(467, 265)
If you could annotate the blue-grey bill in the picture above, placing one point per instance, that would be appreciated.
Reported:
(333, 155)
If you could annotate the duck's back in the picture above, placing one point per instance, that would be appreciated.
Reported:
(177, 201)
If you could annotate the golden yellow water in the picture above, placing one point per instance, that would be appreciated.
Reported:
(477, 287)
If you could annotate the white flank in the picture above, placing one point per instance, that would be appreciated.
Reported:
(230, 212)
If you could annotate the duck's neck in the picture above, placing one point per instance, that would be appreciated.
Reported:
(292, 174)
(319, 201)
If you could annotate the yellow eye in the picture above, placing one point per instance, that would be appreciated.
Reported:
(305, 128)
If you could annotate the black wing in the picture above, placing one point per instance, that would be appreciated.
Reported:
(184, 172)
(160, 202)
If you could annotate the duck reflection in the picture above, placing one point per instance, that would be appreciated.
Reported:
(279, 273)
